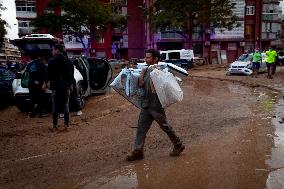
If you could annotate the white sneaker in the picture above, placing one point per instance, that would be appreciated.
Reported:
(61, 115)
(79, 113)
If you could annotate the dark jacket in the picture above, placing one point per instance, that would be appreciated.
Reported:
(59, 73)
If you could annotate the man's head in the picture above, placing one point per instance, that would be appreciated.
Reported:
(152, 56)
(57, 49)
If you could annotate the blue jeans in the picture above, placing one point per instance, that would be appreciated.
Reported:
(60, 101)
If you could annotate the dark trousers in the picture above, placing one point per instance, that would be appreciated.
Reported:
(269, 69)
(37, 98)
(274, 68)
(146, 117)
(74, 100)
(60, 100)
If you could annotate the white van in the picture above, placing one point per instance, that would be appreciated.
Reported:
(182, 58)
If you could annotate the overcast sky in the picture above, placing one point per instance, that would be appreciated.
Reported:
(10, 16)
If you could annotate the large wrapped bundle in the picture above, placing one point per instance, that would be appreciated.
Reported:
(167, 87)
(126, 84)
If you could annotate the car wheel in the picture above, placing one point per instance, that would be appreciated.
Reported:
(81, 96)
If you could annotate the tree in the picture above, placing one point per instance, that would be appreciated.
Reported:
(3, 23)
(180, 15)
(77, 18)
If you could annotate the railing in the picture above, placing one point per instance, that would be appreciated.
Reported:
(26, 30)
(271, 17)
(168, 35)
(268, 35)
(25, 14)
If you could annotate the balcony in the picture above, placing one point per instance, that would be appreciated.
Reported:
(270, 1)
(269, 36)
(25, 14)
(168, 35)
(24, 31)
(271, 17)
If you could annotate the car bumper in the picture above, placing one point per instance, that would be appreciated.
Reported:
(245, 71)
(22, 97)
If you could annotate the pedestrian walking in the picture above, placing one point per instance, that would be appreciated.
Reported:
(270, 61)
(256, 60)
(59, 79)
(152, 111)
(37, 71)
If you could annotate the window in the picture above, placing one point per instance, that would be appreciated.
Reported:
(250, 10)
(24, 24)
(26, 6)
(174, 55)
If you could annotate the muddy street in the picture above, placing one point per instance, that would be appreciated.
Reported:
(227, 128)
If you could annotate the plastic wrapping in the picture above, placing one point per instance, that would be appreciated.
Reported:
(126, 84)
(167, 87)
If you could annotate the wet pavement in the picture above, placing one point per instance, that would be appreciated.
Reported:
(201, 167)
(276, 160)
(232, 135)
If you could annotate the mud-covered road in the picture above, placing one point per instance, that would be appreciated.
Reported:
(227, 128)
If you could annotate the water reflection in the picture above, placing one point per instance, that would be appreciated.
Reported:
(276, 161)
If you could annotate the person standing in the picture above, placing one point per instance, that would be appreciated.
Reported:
(37, 70)
(59, 78)
(270, 61)
(256, 60)
(152, 111)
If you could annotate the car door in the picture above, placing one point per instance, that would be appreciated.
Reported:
(100, 75)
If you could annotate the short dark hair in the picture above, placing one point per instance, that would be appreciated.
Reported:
(59, 47)
(155, 53)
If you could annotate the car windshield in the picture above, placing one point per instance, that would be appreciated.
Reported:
(245, 57)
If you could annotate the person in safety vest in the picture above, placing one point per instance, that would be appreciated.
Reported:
(270, 61)
(256, 60)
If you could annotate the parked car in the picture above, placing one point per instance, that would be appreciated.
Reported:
(183, 63)
(6, 92)
(92, 75)
(280, 59)
(182, 58)
(243, 65)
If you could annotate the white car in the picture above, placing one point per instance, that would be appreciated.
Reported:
(92, 75)
(243, 65)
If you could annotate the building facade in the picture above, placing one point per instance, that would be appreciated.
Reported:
(259, 26)
(126, 43)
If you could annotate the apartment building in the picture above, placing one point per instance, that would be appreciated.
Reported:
(115, 43)
(259, 26)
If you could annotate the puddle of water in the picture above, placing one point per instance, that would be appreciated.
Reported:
(276, 162)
